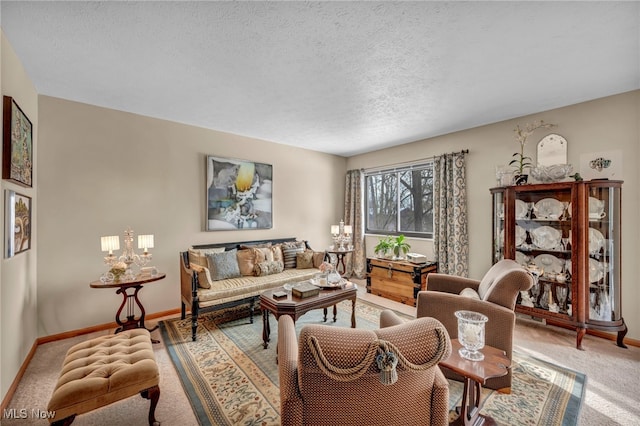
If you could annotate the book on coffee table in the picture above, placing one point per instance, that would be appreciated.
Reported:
(305, 289)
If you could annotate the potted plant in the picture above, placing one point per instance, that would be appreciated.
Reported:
(384, 246)
(520, 161)
(400, 244)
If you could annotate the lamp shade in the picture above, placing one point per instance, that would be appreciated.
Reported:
(145, 242)
(348, 229)
(110, 243)
(335, 229)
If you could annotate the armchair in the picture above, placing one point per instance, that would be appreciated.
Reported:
(331, 376)
(494, 296)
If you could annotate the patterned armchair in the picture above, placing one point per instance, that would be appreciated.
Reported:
(495, 296)
(331, 377)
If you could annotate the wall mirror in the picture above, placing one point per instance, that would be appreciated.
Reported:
(552, 150)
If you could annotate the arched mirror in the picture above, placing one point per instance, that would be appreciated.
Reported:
(552, 150)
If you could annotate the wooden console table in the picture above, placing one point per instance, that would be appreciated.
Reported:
(398, 280)
(128, 299)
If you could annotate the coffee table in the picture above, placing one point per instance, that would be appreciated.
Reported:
(475, 373)
(296, 307)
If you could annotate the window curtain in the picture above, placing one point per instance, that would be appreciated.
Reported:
(353, 215)
(451, 241)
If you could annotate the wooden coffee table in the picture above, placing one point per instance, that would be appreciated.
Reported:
(296, 307)
(475, 373)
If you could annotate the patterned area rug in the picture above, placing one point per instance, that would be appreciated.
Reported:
(230, 379)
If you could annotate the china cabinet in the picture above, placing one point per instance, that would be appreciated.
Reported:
(568, 235)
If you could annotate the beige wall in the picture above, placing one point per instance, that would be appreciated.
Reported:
(605, 124)
(103, 170)
(18, 295)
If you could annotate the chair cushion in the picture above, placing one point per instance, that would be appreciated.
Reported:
(469, 292)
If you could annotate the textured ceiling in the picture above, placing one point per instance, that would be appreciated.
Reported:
(336, 77)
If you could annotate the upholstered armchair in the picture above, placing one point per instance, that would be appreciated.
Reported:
(330, 376)
(494, 296)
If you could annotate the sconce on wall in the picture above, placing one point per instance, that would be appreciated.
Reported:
(599, 164)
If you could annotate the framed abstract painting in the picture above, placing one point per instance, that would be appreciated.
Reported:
(17, 143)
(238, 194)
(18, 223)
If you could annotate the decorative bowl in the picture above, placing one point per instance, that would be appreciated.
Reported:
(553, 173)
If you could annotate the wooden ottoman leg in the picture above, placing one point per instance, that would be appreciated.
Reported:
(153, 394)
(64, 422)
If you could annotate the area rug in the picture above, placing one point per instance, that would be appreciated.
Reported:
(230, 379)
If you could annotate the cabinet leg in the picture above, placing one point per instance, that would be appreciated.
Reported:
(579, 336)
(621, 335)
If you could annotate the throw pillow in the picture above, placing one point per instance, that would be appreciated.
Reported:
(246, 262)
(318, 258)
(263, 245)
(196, 258)
(199, 256)
(277, 253)
(203, 275)
(469, 292)
(304, 260)
(268, 268)
(289, 251)
(263, 254)
(207, 251)
(224, 265)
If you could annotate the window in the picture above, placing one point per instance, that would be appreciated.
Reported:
(400, 201)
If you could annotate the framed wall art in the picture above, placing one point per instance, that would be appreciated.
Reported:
(238, 194)
(17, 144)
(18, 223)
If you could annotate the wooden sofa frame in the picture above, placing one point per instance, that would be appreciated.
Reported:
(191, 298)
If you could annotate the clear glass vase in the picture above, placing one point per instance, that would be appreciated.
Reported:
(333, 278)
(471, 334)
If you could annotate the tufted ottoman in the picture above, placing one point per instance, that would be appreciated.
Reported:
(104, 370)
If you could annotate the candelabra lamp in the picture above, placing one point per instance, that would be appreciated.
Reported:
(120, 266)
(341, 234)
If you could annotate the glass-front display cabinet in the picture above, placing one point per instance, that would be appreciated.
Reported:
(568, 235)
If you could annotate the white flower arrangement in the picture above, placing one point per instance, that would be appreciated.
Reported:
(520, 161)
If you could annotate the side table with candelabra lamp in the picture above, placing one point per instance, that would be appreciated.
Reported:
(341, 235)
(121, 276)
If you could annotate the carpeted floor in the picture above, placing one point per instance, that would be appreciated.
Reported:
(611, 396)
(230, 379)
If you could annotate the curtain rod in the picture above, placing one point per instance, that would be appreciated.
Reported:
(409, 163)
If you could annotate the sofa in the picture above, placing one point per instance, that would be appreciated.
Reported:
(220, 276)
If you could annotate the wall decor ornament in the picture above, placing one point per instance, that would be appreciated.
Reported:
(18, 223)
(17, 141)
(602, 165)
(238, 194)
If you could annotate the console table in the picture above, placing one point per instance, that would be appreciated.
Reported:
(128, 299)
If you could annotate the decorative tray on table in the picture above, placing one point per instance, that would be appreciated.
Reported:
(325, 285)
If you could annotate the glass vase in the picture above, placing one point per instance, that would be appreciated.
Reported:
(471, 334)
